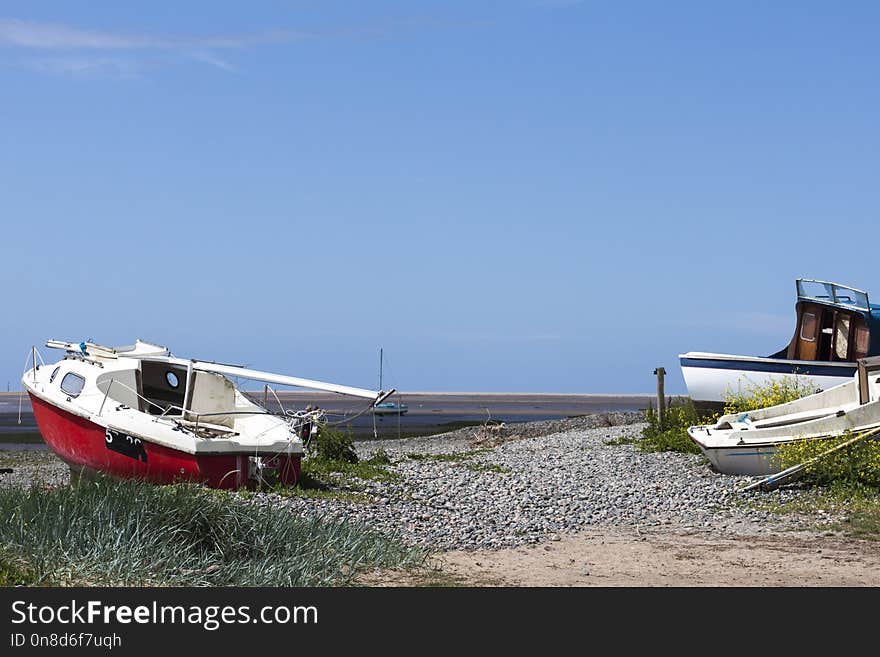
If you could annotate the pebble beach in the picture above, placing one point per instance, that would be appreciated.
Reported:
(535, 482)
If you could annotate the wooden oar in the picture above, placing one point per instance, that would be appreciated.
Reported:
(779, 478)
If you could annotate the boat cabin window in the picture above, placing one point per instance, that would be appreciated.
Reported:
(841, 337)
(826, 336)
(54, 374)
(861, 340)
(72, 384)
(828, 333)
(808, 327)
(163, 385)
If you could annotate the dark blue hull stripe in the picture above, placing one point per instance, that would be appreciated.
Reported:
(778, 368)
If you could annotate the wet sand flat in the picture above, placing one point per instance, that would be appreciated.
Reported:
(427, 412)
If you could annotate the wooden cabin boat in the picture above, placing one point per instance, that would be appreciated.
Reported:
(746, 443)
(140, 412)
(836, 325)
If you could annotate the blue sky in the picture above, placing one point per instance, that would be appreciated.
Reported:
(548, 196)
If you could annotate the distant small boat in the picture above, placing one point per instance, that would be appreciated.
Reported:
(387, 408)
(836, 326)
(747, 443)
(390, 408)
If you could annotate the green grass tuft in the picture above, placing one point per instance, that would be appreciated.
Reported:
(843, 506)
(465, 458)
(669, 434)
(450, 457)
(334, 473)
(130, 533)
(477, 466)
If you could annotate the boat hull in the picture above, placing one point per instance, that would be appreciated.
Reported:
(85, 445)
(743, 460)
(710, 377)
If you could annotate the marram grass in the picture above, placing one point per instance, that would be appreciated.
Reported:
(129, 533)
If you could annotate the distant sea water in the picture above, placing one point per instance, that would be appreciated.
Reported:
(427, 412)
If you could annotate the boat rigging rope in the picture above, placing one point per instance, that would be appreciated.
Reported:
(311, 417)
(350, 418)
(345, 418)
(280, 405)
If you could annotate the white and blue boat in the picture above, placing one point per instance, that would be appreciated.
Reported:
(836, 326)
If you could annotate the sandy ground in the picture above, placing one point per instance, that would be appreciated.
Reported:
(661, 558)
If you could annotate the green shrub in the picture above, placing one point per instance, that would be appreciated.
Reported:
(771, 394)
(380, 457)
(333, 466)
(669, 434)
(334, 445)
(858, 464)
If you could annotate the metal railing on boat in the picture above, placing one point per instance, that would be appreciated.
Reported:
(172, 407)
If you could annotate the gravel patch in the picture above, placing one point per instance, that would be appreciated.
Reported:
(36, 467)
(532, 489)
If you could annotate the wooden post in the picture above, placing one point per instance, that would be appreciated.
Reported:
(661, 397)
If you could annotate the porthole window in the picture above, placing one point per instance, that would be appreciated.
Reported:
(72, 384)
(54, 374)
(172, 379)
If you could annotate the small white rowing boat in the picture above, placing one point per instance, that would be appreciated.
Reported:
(746, 443)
